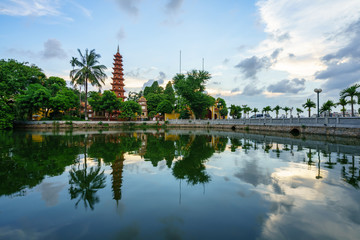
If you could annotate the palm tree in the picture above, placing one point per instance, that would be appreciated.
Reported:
(88, 71)
(255, 110)
(343, 103)
(299, 110)
(309, 104)
(277, 109)
(267, 109)
(245, 109)
(286, 109)
(327, 106)
(351, 92)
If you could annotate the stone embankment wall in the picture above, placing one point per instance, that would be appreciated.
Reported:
(322, 126)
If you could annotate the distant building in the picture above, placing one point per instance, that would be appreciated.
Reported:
(143, 104)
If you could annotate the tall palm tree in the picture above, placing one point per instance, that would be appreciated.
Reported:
(299, 110)
(309, 104)
(75, 84)
(286, 109)
(277, 109)
(267, 109)
(89, 71)
(343, 103)
(255, 110)
(351, 92)
(327, 106)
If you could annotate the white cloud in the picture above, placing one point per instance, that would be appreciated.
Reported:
(309, 27)
(30, 8)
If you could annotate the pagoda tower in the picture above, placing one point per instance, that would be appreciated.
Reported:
(118, 76)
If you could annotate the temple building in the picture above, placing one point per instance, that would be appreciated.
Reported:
(118, 76)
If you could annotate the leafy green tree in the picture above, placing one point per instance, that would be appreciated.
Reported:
(15, 77)
(36, 97)
(309, 104)
(154, 89)
(153, 100)
(277, 109)
(129, 110)
(184, 114)
(343, 103)
(95, 101)
(235, 111)
(109, 102)
(326, 107)
(351, 92)
(6, 115)
(64, 100)
(152, 114)
(299, 110)
(54, 84)
(134, 96)
(221, 105)
(89, 71)
(164, 107)
(169, 93)
(191, 87)
(286, 109)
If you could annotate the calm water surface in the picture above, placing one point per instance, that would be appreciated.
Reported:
(177, 185)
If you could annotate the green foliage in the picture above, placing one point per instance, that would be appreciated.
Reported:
(36, 97)
(6, 115)
(326, 107)
(267, 109)
(109, 102)
(277, 109)
(169, 93)
(64, 100)
(221, 105)
(153, 101)
(351, 92)
(309, 104)
(88, 71)
(191, 87)
(129, 110)
(299, 110)
(15, 77)
(286, 109)
(184, 114)
(152, 114)
(235, 111)
(164, 107)
(134, 96)
(154, 89)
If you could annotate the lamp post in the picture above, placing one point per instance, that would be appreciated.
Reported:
(318, 90)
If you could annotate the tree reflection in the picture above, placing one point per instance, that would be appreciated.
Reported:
(192, 167)
(235, 143)
(25, 159)
(84, 183)
(351, 178)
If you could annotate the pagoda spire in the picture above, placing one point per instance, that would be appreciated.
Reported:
(118, 76)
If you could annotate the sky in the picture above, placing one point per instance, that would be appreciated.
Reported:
(259, 53)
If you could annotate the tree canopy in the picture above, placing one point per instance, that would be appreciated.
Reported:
(191, 86)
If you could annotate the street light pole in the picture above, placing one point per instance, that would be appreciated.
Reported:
(318, 90)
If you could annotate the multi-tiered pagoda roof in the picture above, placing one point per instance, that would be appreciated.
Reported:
(118, 76)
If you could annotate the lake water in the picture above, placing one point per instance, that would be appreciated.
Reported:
(177, 185)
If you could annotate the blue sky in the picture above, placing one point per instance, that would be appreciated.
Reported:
(259, 53)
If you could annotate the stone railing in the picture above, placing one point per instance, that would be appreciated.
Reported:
(350, 122)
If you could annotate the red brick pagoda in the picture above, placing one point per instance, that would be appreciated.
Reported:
(118, 76)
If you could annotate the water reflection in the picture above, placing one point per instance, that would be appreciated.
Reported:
(26, 159)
